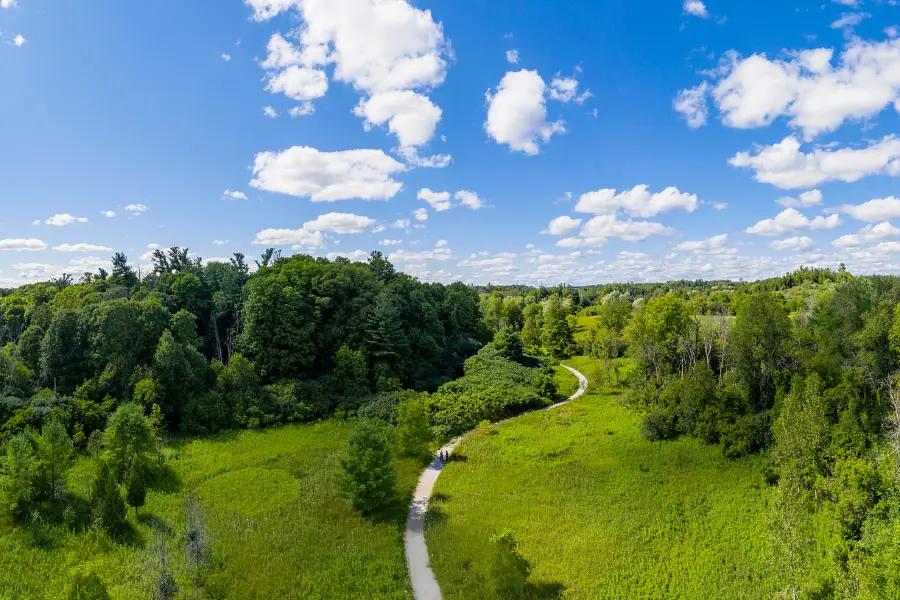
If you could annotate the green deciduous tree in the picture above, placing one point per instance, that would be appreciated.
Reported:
(759, 346)
(368, 475)
(413, 431)
(129, 439)
(556, 333)
(136, 486)
(107, 505)
(509, 569)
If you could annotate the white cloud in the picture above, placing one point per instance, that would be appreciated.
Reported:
(691, 103)
(380, 47)
(328, 176)
(790, 220)
(869, 233)
(563, 225)
(154, 246)
(220, 242)
(606, 226)
(420, 214)
(439, 254)
(299, 83)
(713, 245)
(806, 199)
(305, 109)
(469, 199)
(355, 256)
(81, 248)
(18, 41)
(270, 112)
(402, 224)
(881, 209)
(565, 89)
(226, 57)
(816, 93)
(512, 56)
(410, 116)
(412, 158)
(784, 165)
(235, 195)
(637, 201)
(295, 237)
(892, 32)
(36, 222)
(390, 242)
(340, 223)
(64, 219)
(696, 8)
(441, 244)
(517, 112)
(137, 208)
(439, 201)
(7, 3)
(720, 205)
(108, 213)
(850, 20)
(794, 244)
(853, 3)
(30, 244)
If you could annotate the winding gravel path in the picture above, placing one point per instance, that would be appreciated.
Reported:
(425, 587)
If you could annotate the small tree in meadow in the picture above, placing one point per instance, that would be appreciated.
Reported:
(413, 430)
(509, 569)
(136, 485)
(658, 425)
(55, 452)
(129, 437)
(368, 476)
(106, 500)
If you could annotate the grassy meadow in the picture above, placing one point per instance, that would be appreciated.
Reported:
(276, 521)
(601, 513)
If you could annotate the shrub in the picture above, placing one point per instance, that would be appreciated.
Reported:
(509, 569)
(746, 434)
(413, 433)
(508, 344)
(106, 500)
(368, 476)
(658, 425)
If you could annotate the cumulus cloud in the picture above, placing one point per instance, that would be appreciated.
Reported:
(512, 56)
(137, 208)
(441, 244)
(565, 89)
(814, 91)
(869, 233)
(439, 254)
(234, 195)
(340, 223)
(794, 244)
(517, 112)
(596, 231)
(270, 112)
(293, 237)
(390, 242)
(413, 159)
(402, 224)
(20, 245)
(328, 176)
(305, 109)
(18, 41)
(696, 8)
(713, 245)
(386, 49)
(880, 209)
(354, 256)
(692, 105)
(64, 219)
(806, 199)
(469, 199)
(850, 20)
(790, 220)
(108, 213)
(562, 226)
(81, 248)
(785, 166)
(420, 214)
(439, 201)
(638, 201)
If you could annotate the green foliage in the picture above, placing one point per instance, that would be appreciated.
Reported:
(557, 335)
(368, 476)
(759, 346)
(658, 425)
(136, 486)
(55, 453)
(107, 505)
(509, 570)
(413, 432)
(509, 344)
(129, 438)
(20, 473)
(86, 584)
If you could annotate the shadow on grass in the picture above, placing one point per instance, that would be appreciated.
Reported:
(544, 590)
(164, 478)
(434, 516)
(155, 523)
(456, 457)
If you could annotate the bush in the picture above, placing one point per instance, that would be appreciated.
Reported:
(509, 569)
(368, 476)
(508, 344)
(658, 425)
(413, 433)
(746, 434)
(106, 500)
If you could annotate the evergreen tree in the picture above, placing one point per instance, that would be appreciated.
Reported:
(129, 438)
(368, 476)
(107, 505)
(55, 453)
(136, 486)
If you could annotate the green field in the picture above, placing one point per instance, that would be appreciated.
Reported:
(278, 526)
(600, 512)
(584, 327)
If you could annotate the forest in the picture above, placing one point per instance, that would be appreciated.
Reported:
(801, 370)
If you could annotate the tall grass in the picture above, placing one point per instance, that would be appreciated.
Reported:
(600, 512)
(278, 526)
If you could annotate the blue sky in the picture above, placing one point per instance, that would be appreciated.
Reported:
(506, 141)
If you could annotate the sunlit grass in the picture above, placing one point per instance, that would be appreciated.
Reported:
(600, 512)
(278, 526)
